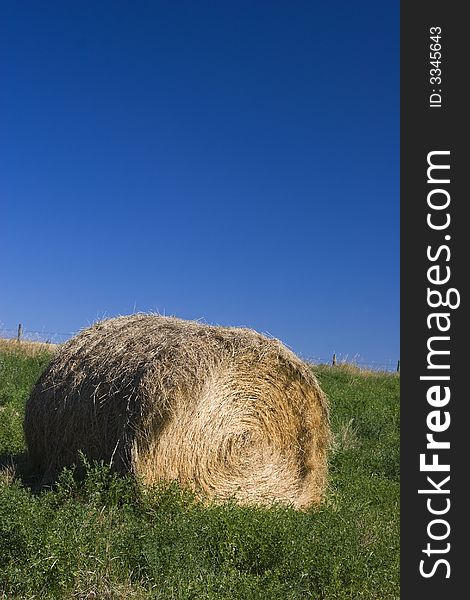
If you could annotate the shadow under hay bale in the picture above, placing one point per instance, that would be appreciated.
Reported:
(225, 411)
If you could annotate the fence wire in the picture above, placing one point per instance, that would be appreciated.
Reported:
(54, 337)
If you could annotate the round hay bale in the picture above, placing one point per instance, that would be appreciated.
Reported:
(225, 411)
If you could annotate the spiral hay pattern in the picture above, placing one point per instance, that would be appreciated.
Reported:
(224, 411)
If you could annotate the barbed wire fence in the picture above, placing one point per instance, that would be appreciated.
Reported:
(53, 337)
(31, 335)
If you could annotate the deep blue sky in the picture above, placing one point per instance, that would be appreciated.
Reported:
(231, 161)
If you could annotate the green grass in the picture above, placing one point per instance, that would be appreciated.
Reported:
(103, 537)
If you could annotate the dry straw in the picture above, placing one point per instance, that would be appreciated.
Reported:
(28, 348)
(225, 411)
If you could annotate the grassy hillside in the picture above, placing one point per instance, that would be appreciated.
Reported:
(105, 538)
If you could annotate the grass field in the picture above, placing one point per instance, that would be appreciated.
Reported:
(104, 537)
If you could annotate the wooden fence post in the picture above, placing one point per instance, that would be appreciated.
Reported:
(20, 332)
(334, 360)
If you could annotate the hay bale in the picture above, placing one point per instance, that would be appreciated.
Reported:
(225, 411)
